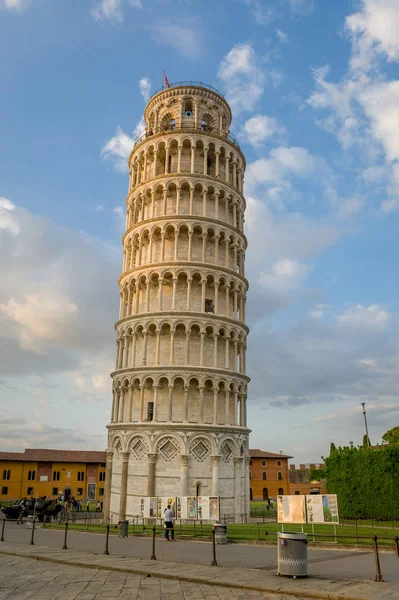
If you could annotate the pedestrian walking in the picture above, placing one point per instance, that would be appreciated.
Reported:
(21, 512)
(98, 507)
(169, 524)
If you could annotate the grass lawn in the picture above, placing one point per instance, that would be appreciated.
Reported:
(252, 532)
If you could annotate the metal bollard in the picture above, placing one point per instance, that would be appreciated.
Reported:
(106, 541)
(214, 562)
(396, 544)
(153, 557)
(378, 576)
(65, 547)
(2, 530)
(32, 543)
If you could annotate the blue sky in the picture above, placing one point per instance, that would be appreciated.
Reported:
(315, 95)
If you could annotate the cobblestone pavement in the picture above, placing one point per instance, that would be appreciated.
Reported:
(23, 578)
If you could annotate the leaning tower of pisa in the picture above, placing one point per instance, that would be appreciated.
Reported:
(178, 423)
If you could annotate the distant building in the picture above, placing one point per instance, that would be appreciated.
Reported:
(268, 474)
(45, 472)
(300, 483)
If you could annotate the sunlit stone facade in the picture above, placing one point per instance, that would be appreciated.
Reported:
(178, 424)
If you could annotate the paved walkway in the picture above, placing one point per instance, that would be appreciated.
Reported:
(23, 578)
(110, 574)
(332, 563)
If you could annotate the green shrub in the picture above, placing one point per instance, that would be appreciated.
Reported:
(366, 481)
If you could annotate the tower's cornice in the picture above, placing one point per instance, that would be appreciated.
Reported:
(183, 265)
(185, 219)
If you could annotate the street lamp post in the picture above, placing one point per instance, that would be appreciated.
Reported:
(365, 422)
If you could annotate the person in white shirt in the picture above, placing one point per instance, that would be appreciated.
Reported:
(169, 524)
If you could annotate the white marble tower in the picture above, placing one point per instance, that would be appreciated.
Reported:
(178, 424)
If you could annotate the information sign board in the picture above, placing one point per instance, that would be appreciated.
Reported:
(322, 508)
(291, 509)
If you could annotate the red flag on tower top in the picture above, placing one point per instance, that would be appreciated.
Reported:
(165, 80)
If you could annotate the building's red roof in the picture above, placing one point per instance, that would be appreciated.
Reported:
(49, 455)
(256, 453)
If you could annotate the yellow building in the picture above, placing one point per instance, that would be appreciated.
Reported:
(42, 472)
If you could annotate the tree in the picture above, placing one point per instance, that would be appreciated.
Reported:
(392, 436)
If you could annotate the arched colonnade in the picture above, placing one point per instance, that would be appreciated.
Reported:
(190, 154)
(183, 197)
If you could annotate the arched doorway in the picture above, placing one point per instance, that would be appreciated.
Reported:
(280, 492)
(265, 493)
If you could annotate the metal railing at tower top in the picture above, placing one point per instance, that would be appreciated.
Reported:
(185, 83)
(187, 128)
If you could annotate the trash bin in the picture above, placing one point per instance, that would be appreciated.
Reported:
(220, 530)
(292, 554)
(29, 521)
(123, 528)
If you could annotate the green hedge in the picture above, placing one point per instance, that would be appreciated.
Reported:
(366, 481)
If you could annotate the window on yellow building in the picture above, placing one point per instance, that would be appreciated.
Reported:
(297, 493)
(31, 475)
(101, 492)
(102, 475)
(264, 463)
(55, 491)
(81, 475)
(29, 491)
(4, 490)
(56, 475)
(264, 476)
(280, 476)
(280, 492)
(250, 462)
(79, 492)
(7, 474)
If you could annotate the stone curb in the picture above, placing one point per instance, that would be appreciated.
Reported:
(318, 595)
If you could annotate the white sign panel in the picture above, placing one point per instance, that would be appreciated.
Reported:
(291, 509)
(163, 505)
(203, 508)
(322, 508)
(149, 507)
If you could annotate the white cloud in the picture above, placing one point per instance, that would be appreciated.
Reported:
(381, 104)
(55, 317)
(363, 107)
(260, 128)
(185, 36)
(145, 87)
(284, 275)
(119, 147)
(283, 37)
(281, 162)
(40, 320)
(112, 10)
(319, 310)
(365, 316)
(108, 9)
(374, 30)
(7, 219)
(18, 5)
(301, 7)
(243, 76)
